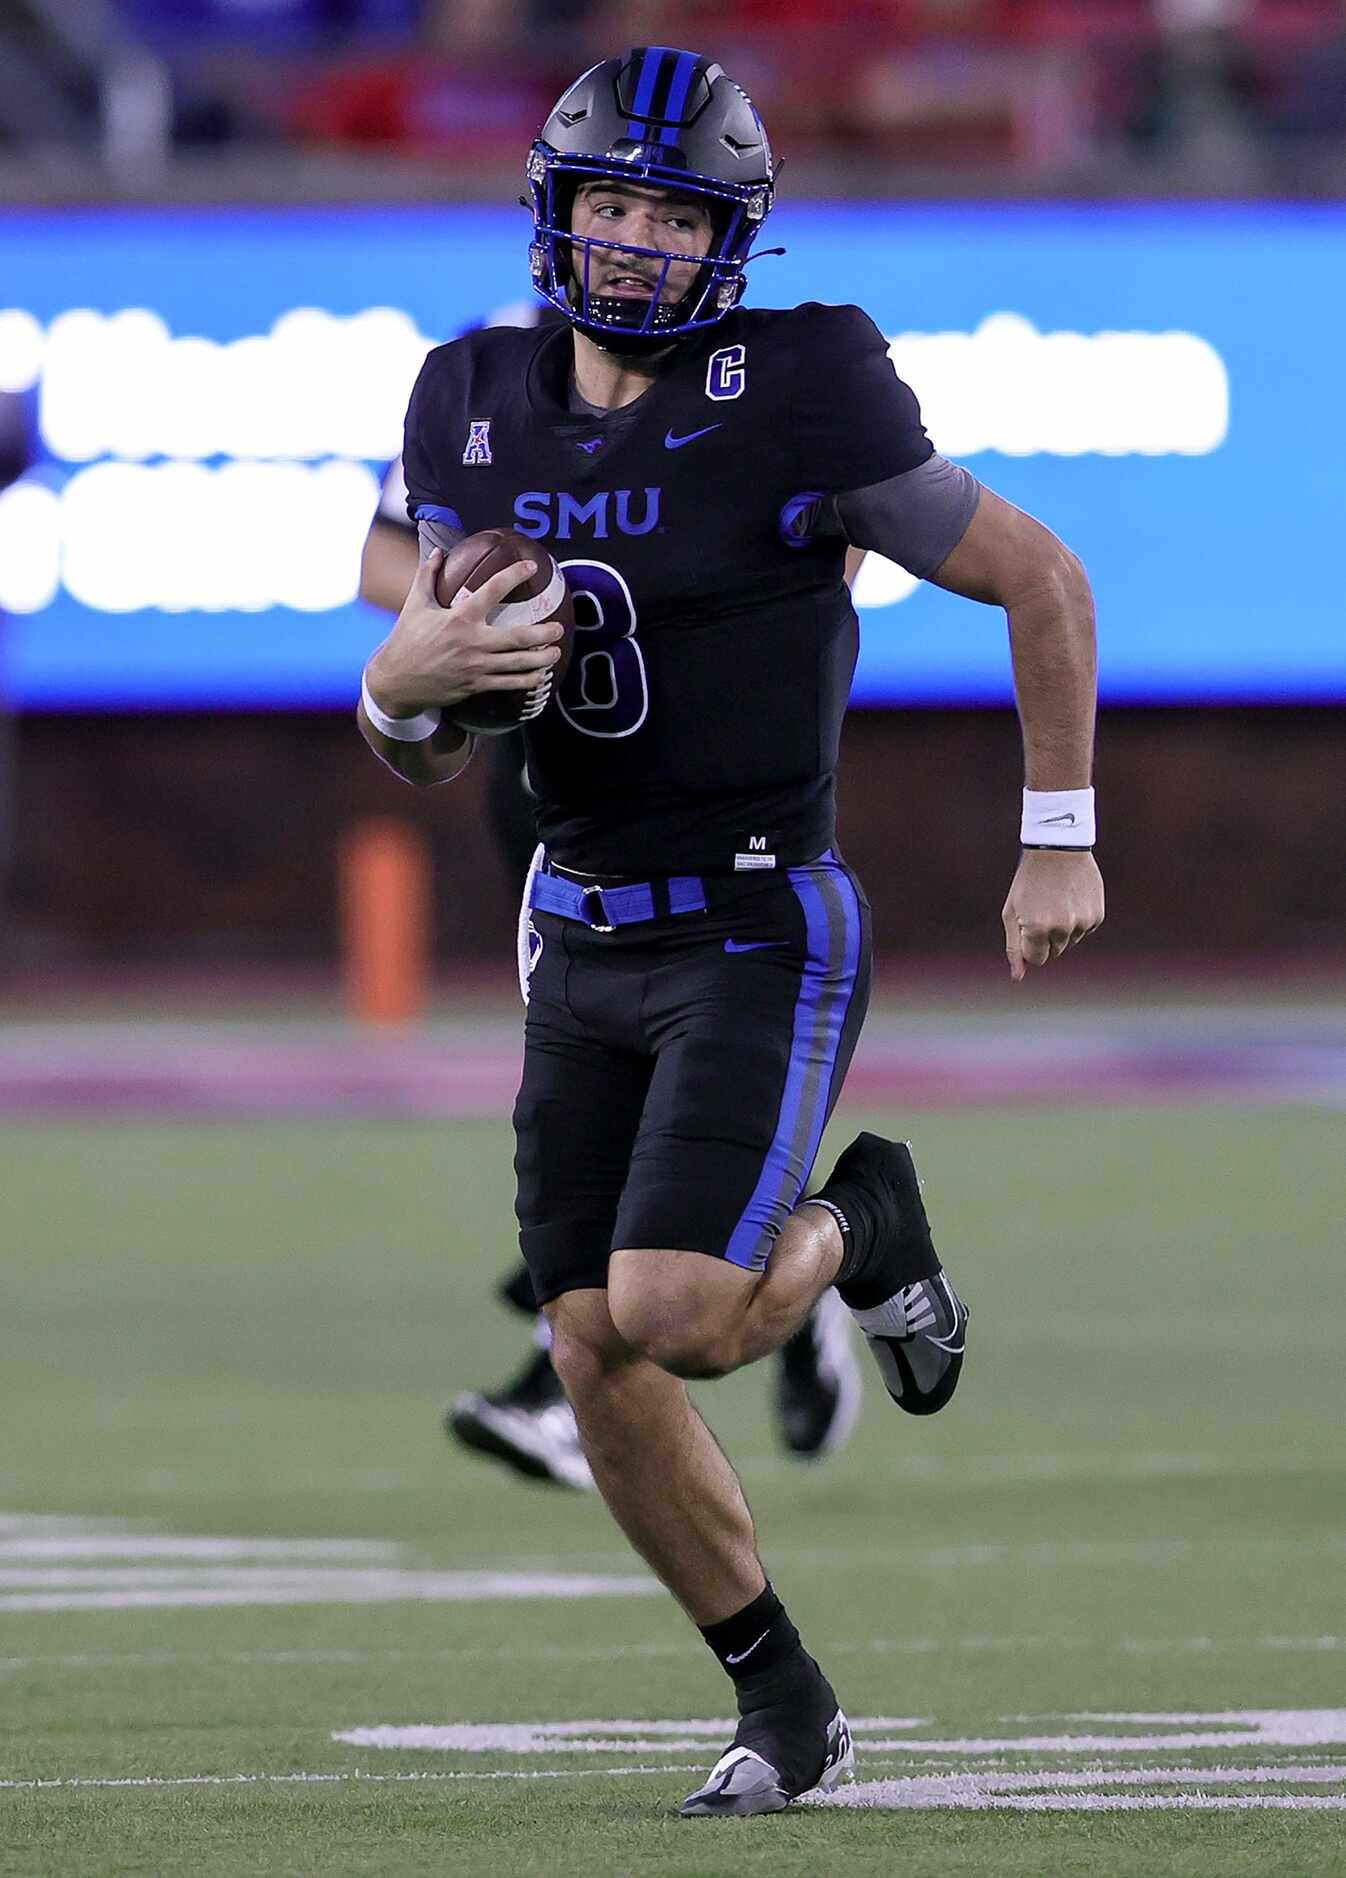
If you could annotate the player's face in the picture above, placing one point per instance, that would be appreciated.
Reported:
(643, 218)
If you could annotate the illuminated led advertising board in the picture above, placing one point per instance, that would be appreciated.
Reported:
(214, 397)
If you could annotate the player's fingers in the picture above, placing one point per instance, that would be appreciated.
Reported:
(1087, 920)
(477, 604)
(1058, 938)
(1013, 944)
(523, 680)
(1035, 945)
(535, 659)
(425, 573)
(523, 638)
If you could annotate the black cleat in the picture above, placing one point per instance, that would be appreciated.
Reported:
(917, 1328)
(773, 1760)
(529, 1425)
(918, 1339)
(818, 1385)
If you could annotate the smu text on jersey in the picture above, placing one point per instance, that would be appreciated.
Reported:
(538, 512)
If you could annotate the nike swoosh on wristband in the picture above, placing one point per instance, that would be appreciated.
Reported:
(748, 1652)
(675, 443)
(751, 945)
(1050, 821)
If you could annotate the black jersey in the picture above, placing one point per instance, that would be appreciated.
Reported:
(697, 729)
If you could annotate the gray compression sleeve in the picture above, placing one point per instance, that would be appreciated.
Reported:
(916, 519)
(437, 535)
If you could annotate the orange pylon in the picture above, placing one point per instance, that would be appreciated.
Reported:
(385, 921)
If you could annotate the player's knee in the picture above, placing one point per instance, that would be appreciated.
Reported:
(692, 1357)
(673, 1332)
(681, 1310)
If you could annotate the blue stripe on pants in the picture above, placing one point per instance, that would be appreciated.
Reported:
(831, 972)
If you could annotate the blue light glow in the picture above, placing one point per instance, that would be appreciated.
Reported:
(1203, 489)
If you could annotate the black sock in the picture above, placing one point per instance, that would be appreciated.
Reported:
(846, 1230)
(875, 1262)
(856, 1226)
(756, 1641)
(860, 1266)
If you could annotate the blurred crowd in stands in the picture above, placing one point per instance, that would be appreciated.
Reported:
(1186, 92)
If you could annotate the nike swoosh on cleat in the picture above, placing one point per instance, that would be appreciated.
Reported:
(675, 443)
(743, 1655)
(751, 945)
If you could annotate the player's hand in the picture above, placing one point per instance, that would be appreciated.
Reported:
(438, 655)
(1055, 900)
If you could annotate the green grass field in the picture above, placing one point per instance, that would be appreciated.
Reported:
(1136, 1507)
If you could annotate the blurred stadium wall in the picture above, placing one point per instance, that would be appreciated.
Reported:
(1107, 241)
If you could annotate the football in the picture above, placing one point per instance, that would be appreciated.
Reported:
(538, 597)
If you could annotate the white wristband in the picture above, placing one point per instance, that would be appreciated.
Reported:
(400, 729)
(1058, 818)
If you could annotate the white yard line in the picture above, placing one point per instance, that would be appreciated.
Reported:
(1088, 1553)
(485, 1653)
(151, 1590)
(1280, 1773)
(1243, 1729)
(1054, 1790)
(586, 1653)
(641, 1748)
(1061, 1790)
(68, 1562)
(1184, 1740)
(65, 1564)
(356, 1777)
(84, 1546)
(62, 1540)
(891, 1796)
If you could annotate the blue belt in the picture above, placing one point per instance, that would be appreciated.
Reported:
(604, 909)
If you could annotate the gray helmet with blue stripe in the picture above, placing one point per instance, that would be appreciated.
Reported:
(666, 119)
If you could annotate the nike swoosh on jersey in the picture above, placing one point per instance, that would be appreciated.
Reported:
(751, 945)
(675, 443)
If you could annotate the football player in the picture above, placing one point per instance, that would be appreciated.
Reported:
(528, 1423)
(702, 958)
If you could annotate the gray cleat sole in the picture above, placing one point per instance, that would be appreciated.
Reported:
(741, 1783)
(918, 1339)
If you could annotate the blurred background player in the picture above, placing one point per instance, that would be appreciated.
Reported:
(527, 1422)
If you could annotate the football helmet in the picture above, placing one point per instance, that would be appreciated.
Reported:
(669, 120)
